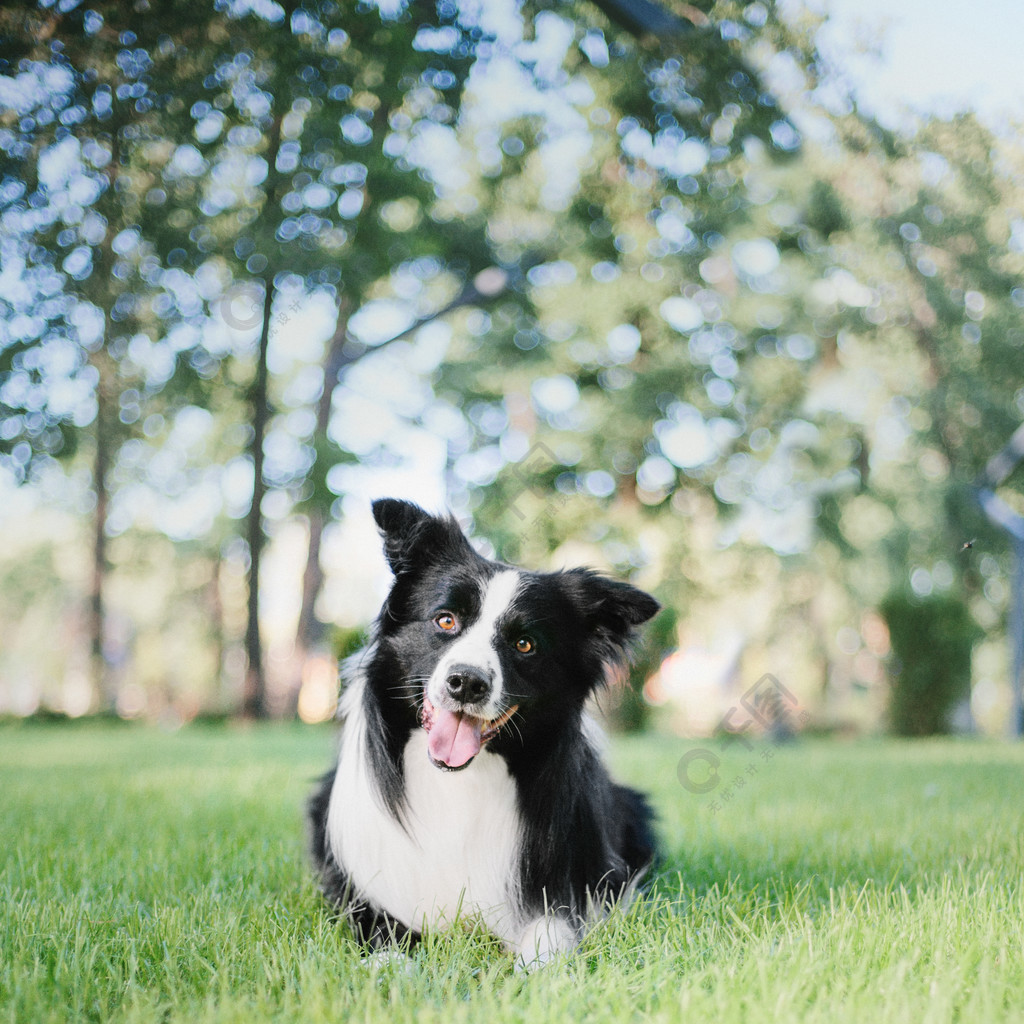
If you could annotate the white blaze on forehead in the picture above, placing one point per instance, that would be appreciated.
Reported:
(499, 594)
(476, 646)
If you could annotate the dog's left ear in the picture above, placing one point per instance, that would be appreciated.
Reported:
(613, 607)
(613, 610)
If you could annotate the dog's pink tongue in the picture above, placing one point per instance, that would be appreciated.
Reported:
(454, 738)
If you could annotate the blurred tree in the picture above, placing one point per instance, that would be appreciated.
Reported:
(638, 366)
(310, 172)
(736, 336)
(953, 297)
(631, 301)
(92, 91)
(959, 233)
(737, 342)
(294, 151)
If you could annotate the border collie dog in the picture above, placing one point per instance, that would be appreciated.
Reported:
(468, 780)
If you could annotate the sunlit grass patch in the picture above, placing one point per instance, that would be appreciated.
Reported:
(148, 876)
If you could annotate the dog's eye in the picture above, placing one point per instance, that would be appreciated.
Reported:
(446, 622)
(524, 645)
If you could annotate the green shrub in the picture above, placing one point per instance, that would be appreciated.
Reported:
(930, 665)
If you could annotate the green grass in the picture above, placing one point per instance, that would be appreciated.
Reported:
(151, 877)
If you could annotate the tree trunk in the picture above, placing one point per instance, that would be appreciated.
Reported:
(215, 609)
(310, 632)
(254, 695)
(254, 698)
(106, 438)
(101, 681)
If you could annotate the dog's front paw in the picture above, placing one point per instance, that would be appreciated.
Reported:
(387, 958)
(543, 940)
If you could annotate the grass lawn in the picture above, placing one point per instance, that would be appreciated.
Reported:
(152, 877)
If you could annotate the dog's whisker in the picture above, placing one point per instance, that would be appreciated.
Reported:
(513, 723)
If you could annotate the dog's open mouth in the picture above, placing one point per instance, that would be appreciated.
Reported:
(455, 738)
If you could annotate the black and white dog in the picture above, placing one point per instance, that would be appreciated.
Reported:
(468, 780)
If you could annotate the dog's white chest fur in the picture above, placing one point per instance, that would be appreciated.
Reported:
(458, 853)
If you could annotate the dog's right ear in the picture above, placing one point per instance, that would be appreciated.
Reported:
(401, 523)
(407, 530)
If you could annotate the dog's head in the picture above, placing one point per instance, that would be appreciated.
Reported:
(484, 652)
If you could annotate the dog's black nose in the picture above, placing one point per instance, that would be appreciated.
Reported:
(468, 685)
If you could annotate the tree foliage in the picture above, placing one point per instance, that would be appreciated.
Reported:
(737, 339)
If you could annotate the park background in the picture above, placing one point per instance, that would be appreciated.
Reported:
(724, 299)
